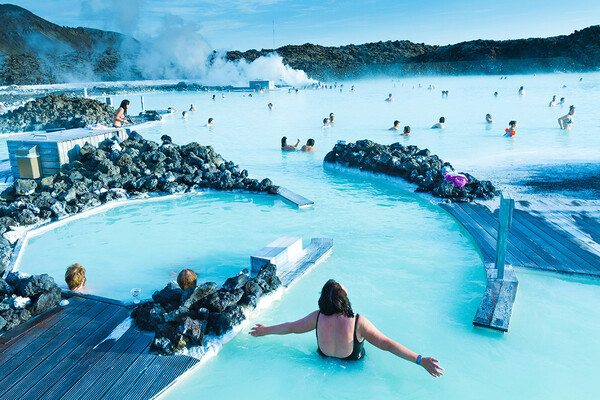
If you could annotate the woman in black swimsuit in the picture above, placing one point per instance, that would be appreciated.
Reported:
(341, 333)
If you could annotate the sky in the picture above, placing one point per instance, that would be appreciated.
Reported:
(246, 24)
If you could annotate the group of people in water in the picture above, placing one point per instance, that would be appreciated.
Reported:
(340, 333)
(565, 122)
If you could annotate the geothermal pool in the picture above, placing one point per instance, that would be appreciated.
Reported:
(408, 266)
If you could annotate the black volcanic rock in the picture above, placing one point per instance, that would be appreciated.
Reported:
(56, 111)
(576, 52)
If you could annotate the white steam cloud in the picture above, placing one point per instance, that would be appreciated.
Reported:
(178, 51)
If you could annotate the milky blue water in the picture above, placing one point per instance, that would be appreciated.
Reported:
(408, 266)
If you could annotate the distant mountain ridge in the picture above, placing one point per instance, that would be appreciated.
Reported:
(579, 51)
(36, 51)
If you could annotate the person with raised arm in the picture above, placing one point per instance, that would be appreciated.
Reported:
(341, 334)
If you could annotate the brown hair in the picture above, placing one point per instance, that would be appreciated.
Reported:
(186, 279)
(75, 276)
(334, 300)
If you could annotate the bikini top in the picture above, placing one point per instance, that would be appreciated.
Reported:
(358, 350)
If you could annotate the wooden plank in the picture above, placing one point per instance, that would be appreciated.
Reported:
(72, 372)
(160, 374)
(294, 198)
(495, 309)
(100, 378)
(73, 351)
(582, 258)
(26, 361)
(589, 225)
(514, 239)
(129, 378)
(562, 264)
(485, 242)
(47, 330)
(40, 320)
(491, 227)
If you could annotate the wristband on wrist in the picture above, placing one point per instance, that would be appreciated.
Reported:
(419, 360)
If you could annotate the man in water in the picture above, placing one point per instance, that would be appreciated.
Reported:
(309, 145)
(75, 277)
(440, 125)
(396, 126)
(192, 107)
(406, 131)
(522, 91)
(495, 94)
(270, 105)
(566, 121)
(184, 114)
(488, 118)
(552, 102)
(210, 123)
(389, 98)
(331, 118)
(187, 279)
(326, 123)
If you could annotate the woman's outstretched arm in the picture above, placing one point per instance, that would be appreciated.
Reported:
(378, 339)
(303, 325)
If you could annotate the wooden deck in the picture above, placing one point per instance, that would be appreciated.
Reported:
(63, 354)
(90, 348)
(564, 240)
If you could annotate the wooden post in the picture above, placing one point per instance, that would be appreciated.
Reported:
(507, 204)
(142, 100)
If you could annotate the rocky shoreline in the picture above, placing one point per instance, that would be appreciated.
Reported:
(56, 111)
(24, 296)
(182, 318)
(132, 168)
(412, 164)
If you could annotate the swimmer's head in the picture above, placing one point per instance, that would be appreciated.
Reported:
(210, 121)
(442, 120)
(184, 114)
(334, 300)
(325, 120)
(390, 95)
(512, 124)
(396, 123)
(124, 104)
(186, 279)
(330, 115)
(310, 142)
(75, 276)
(283, 141)
(407, 129)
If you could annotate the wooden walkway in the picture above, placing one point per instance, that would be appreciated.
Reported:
(90, 348)
(63, 354)
(558, 241)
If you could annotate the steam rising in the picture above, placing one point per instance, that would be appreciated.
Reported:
(178, 51)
